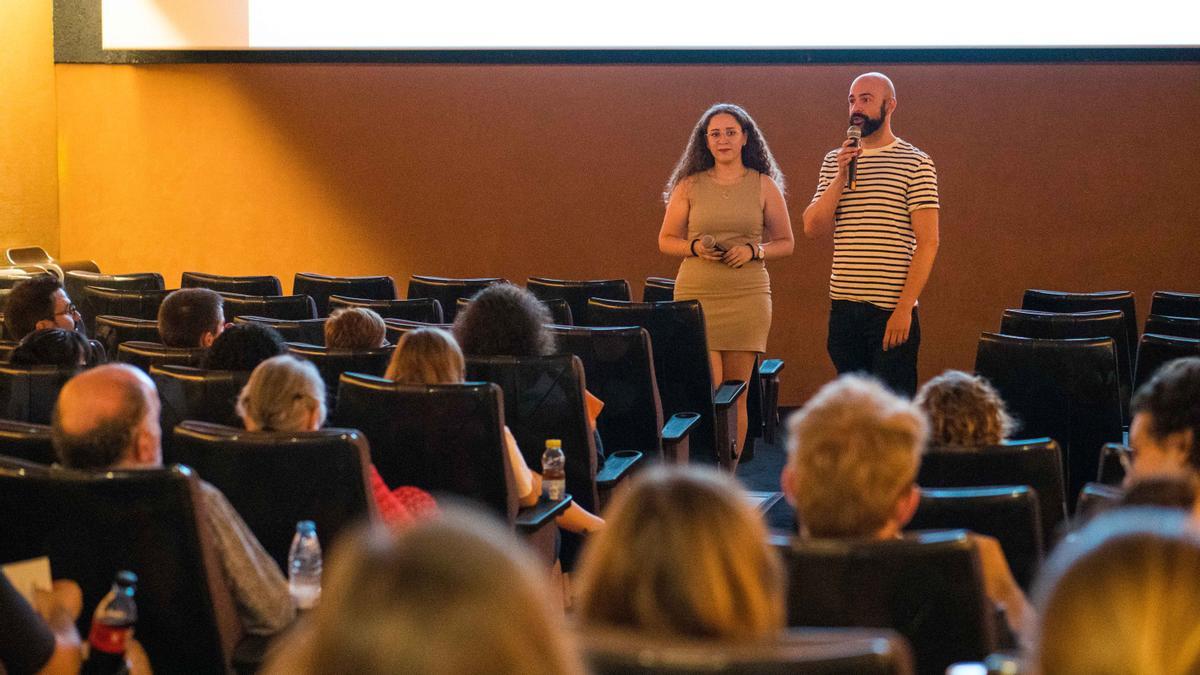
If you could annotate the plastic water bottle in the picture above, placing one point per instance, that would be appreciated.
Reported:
(112, 626)
(554, 470)
(304, 566)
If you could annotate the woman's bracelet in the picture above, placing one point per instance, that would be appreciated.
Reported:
(692, 247)
(753, 251)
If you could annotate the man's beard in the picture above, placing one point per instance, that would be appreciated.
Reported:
(869, 124)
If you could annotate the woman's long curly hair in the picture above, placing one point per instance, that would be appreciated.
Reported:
(504, 320)
(696, 156)
(964, 411)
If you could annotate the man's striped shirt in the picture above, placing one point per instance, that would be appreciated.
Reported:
(873, 240)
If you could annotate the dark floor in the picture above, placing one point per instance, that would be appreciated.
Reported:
(762, 473)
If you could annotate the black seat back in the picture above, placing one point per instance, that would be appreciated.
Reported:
(286, 307)
(619, 365)
(189, 393)
(92, 525)
(396, 328)
(681, 363)
(1179, 326)
(319, 287)
(425, 310)
(263, 284)
(74, 282)
(307, 331)
(135, 304)
(577, 293)
(447, 291)
(928, 587)
(1035, 462)
(658, 289)
(146, 354)
(27, 441)
(1171, 303)
(1008, 513)
(275, 479)
(6, 349)
(1060, 301)
(802, 651)
(1155, 350)
(445, 438)
(333, 362)
(28, 393)
(111, 331)
(1064, 325)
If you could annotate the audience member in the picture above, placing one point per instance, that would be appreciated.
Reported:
(431, 356)
(191, 318)
(107, 419)
(455, 595)
(52, 347)
(964, 411)
(1162, 490)
(38, 303)
(355, 328)
(287, 394)
(854, 450)
(684, 554)
(243, 346)
(1120, 596)
(1165, 433)
(42, 641)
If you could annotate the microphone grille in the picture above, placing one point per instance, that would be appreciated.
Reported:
(854, 131)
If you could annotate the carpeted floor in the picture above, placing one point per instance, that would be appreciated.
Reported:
(762, 473)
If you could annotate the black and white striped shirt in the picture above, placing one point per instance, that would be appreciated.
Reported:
(873, 240)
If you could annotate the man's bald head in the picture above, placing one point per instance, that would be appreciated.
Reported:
(105, 417)
(882, 83)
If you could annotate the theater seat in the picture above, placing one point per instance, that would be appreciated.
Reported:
(307, 331)
(425, 310)
(447, 290)
(577, 292)
(1178, 326)
(1155, 350)
(333, 362)
(1063, 301)
(658, 289)
(26, 441)
(28, 393)
(145, 354)
(135, 304)
(319, 287)
(396, 328)
(283, 307)
(1172, 303)
(245, 285)
(189, 393)
(111, 331)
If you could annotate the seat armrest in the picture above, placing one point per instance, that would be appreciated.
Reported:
(532, 518)
(616, 467)
(679, 426)
(728, 392)
(770, 367)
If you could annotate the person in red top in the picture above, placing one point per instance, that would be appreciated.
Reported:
(287, 394)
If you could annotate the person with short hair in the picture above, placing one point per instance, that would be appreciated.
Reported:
(1165, 431)
(241, 347)
(106, 419)
(285, 393)
(454, 595)
(964, 411)
(52, 347)
(355, 328)
(853, 453)
(191, 318)
(684, 554)
(1120, 596)
(40, 302)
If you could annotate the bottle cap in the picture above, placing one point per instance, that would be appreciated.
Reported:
(126, 578)
(553, 443)
(306, 526)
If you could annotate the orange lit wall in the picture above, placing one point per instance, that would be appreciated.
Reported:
(1066, 176)
(28, 183)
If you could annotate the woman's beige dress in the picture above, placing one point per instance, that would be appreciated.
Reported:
(736, 302)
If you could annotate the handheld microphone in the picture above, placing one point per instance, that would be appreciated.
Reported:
(707, 241)
(854, 133)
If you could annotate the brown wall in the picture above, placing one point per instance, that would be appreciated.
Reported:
(1074, 177)
(28, 174)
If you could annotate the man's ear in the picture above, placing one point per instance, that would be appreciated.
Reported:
(145, 451)
(207, 339)
(44, 323)
(906, 506)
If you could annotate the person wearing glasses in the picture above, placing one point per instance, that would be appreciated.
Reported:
(1164, 436)
(38, 303)
(725, 217)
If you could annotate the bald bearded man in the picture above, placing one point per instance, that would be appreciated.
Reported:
(107, 418)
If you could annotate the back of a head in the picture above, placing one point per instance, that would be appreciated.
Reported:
(854, 450)
(243, 346)
(355, 328)
(187, 314)
(99, 413)
(52, 347)
(282, 394)
(29, 301)
(452, 595)
(964, 410)
(1120, 597)
(504, 320)
(1169, 399)
(683, 554)
(427, 356)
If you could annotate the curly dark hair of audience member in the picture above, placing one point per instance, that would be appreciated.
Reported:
(697, 157)
(187, 314)
(52, 347)
(504, 320)
(30, 302)
(104, 444)
(243, 346)
(1171, 398)
(964, 411)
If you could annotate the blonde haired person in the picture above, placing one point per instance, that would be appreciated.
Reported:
(1120, 596)
(964, 411)
(285, 393)
(451, 595)
(355, 328)
(683, 554)
(431, 356)
(853, 454)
